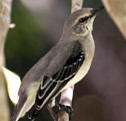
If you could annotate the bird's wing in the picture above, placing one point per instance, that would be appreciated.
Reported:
(60, 71)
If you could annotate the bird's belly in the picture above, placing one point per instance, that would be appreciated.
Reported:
(80, 74)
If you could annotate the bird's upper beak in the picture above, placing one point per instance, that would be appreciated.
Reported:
(95, 11)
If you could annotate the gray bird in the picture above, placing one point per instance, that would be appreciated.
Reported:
(63, 66)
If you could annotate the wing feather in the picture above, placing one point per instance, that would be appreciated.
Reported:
(52, 85)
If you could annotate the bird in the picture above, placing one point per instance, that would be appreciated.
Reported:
(64, 65)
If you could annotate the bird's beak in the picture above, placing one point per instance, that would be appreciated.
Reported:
(95, 11)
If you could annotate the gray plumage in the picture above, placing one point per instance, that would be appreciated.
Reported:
(75, 43)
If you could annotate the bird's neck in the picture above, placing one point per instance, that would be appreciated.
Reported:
(88, 44)
(69, 36)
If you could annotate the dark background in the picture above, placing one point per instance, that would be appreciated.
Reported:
(101, 96)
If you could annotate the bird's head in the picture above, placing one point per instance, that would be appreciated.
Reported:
(80, 22)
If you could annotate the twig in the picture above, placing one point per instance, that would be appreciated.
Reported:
(76, 5)
(5, 10)
(67, 95)
(66, 99)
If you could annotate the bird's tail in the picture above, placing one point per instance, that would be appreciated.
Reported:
(19, 109)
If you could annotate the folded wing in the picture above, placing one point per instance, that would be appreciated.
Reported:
(52, 85)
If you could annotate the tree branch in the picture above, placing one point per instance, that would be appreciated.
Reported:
(66, 99)
(117, 11)
(76, 5)
(5, 10)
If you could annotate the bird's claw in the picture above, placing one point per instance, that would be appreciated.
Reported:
(32, 114)
(66, 108)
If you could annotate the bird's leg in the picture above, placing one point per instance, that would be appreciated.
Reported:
(67, 109)
(65, 103)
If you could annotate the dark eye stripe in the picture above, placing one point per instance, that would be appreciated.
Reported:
(83, 19)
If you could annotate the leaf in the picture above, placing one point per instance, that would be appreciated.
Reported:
(13, 84)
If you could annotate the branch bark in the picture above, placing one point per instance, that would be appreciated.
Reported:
(117, 11)
(76, 5)
(67, 95)
(5, 11)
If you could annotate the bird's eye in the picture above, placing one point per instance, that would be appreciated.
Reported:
(81, 20)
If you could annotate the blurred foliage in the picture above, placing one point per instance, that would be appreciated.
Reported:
(92, 111)
(92, 3)
(27, 42)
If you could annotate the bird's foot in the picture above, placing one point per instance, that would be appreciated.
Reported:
(32, 114)
(67, 109)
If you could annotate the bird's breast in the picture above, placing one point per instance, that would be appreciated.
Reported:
(88, 48)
